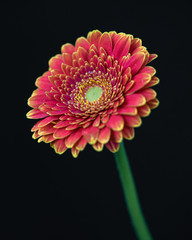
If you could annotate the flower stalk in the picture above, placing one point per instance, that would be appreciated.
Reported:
(130, 194)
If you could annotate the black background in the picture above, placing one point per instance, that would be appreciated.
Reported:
(48, 196)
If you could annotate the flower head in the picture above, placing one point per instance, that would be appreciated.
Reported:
(94, 92)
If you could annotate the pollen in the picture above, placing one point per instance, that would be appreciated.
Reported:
(93, 93)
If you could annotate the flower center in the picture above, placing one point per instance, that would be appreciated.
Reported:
(93, 93)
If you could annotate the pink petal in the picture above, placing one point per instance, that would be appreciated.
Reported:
(153, 82)
(139, 50)
(148, 93)
(103, 54)
(36, 126)
(116, 122)
(73, 138)
(48, 138)
(116, 136)
(61, 133)
(67, 48)
(74, 151)
(36, 113)
(91, 134)
(67, 58)
(57, 112)
(55, 63)
(112, 146)
(72, 126)
(105, 119)
(98, 146)
(82, 62)
(59, 146)
(80, 145)
(128, 86)
(112, 34)
(153, 103)
(66, 69)
(116, 37)
(144, 110)
(126, 110)
(132, 121)
(48, 129)
(135, 43)
(135, 100)
(92, 52)
(38, 91)
(121, 48)
(43, 83)
(46, 121)
(35, 135)
(93, 37)
(82, 53)
(123, 62)
(96, 122)
(140, 80)
(152, 57)
(50, 104)
(146, 59)
(148, 70)
(82, 42)
(104, 135)
(105, 42)
(62, 124)
(37, 100)
(128, 133)
(53, 79)
(135, 62)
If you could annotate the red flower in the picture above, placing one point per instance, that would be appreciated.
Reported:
(94, 92)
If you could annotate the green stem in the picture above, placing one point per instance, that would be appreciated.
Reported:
(130, 194)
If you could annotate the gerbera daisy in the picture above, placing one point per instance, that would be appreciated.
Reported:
(95, 92)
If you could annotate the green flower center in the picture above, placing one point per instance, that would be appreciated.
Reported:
(93, 93)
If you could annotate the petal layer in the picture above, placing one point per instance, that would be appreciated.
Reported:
(59, 146)
(132, 121)
(91, 134)
(122, 47)
(135, 100)
(73, 138)
(94, 36)
(105, 42)
(104, 135)
(135, 62)
(67, 48)
(36, 114)
(112, 146)
(55, 63)
(116, 122)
